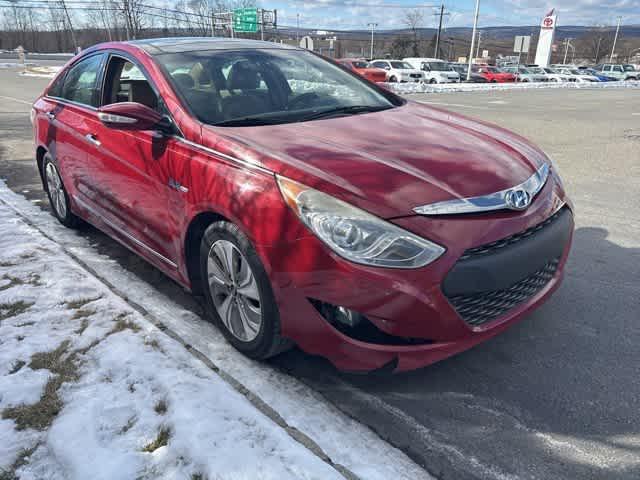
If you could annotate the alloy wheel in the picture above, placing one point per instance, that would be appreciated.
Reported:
(56, 191)
(234, 290)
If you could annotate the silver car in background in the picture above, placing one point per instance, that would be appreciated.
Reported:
(523, 74)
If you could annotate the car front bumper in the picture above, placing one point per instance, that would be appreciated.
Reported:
(414, 309)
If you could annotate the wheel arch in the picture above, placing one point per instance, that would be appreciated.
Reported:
(193, 237)
(40, 153)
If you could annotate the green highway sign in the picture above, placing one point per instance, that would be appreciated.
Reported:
(245, 20)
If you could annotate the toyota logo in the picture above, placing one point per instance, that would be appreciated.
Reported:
(517, 199)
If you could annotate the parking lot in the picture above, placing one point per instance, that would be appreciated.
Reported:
(556, 396)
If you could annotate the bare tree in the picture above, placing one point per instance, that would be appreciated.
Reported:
(596, 43)
(413, 19)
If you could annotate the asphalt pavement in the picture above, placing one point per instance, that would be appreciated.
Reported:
(555, 397)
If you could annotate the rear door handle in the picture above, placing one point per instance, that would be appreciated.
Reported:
(92, 138)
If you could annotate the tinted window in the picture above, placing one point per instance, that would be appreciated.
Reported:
(401, 65)
(81, 81)
(254, 87)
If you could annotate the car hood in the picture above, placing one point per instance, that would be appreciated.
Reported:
(391, 161)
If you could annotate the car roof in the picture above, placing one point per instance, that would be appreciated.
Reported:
(158, 46)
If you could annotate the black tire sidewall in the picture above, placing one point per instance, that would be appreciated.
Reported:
(267, 342)
(70, 219)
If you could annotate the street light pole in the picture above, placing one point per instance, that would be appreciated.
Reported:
(615, 39)
(297, 28)
(473, 38)
(478, 47)
(373, 26)
(567, 42)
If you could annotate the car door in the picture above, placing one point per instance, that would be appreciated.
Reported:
(71, 114)
(136, 183)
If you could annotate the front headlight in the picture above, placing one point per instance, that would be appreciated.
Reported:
(355, 234)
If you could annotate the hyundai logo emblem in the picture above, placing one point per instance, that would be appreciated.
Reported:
(517, 199)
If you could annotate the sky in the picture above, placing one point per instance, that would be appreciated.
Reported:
(389, 14)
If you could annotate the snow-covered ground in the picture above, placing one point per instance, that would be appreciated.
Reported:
(41, 71)
(90, 387)
(408, 88)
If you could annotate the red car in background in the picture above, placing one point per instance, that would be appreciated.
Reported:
(362, 67)
(493, 74)
(306, 205)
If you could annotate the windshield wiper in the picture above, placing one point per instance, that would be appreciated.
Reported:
(248, 122)
(348, 110)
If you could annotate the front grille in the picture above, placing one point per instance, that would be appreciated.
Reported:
(507, 241)
(477, 309)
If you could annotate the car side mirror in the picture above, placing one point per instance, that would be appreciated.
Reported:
(131, 116)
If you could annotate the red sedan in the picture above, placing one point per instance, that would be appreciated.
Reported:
(306, 205)
(494, 74)
(362, 67)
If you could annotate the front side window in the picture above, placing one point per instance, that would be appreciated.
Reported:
(80, 82)
(269, 86)
(125, 82)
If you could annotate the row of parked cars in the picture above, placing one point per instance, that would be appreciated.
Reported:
(431, 70)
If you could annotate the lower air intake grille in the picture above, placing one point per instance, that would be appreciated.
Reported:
(480, 308)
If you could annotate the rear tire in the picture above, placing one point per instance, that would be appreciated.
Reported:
(433, 81)
(236, 287)
(392, 79)
(57, 193)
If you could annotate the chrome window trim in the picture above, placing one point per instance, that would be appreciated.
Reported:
(490, 202)
(125, 233)
(223, 155)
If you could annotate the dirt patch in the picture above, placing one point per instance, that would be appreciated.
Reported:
(8, 310)
(16, 367)
(41, 414)
(161, 407)
(161, 441)
(21, 461)
(123, 323)
(80, 302)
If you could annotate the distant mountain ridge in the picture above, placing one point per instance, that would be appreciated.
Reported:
(497, 32)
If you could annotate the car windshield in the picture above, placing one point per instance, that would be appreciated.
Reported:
(267, 86)
(438, 66)
(493, 70)
(401, 65)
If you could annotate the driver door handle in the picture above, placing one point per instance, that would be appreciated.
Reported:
(51, 115)
(92, 138)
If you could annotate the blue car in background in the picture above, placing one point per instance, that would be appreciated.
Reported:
(601, 77)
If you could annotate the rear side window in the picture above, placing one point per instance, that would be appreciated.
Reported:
(80, 83)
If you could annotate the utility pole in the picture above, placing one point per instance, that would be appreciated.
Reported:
(598, 50)
(441, 14)
(478, 47)
(73, 33)
(262, 24)
(615, 40)
(473, 38)
(567, 42)
(297, 28)
(373, 27)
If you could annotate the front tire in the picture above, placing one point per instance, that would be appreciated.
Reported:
(433, 81)
(57, 193)
(392, 79)
(238, 294)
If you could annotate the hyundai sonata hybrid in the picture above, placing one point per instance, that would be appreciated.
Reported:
(307, 206)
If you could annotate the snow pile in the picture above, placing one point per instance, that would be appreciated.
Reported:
(408, 88)
(41, 71)
(130, 401)
(14, 65)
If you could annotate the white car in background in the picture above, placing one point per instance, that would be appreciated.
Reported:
(434, 69)
(550, 74)
(398, 71)
(578, 75)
